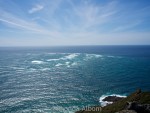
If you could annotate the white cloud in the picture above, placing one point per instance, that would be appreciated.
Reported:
(84, 23)
(32, 27)
(91, 15)
(19, 25)
(126, 26)
(36, 9)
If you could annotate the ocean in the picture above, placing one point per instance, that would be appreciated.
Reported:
(65, 79)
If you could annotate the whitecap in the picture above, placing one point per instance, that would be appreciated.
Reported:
(53, 59)
(17, 68)
(71, 56)
(59, 64)
(74, 64)
(44, 69)
(114, 56)
(32, 70)
(90, 56)
(97, 56)
(111, 56)
(104, 103)
(68, 57)
(37, 62)
(67, 64)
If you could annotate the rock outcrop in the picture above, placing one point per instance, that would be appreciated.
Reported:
(137, 102)
(127, 111)
(139, 108)
(113, 99)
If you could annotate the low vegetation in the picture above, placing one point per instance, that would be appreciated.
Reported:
(138, 96)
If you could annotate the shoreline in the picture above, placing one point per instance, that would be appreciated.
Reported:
(137, 102)
(109, 99)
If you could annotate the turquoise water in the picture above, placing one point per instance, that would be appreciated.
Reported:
(66, 79)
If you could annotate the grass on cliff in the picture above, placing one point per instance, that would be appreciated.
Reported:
(140, 97)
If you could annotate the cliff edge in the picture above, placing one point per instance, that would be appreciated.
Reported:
(137, 102)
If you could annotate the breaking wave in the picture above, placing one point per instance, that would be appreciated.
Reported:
(104, 103)
(37, 62)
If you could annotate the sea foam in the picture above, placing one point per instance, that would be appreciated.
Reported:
(74, 64)
(71, 56)
(59, 64)
(37, 62)
(104, 103)
(67, 57)
(53, 59)
(90, 56)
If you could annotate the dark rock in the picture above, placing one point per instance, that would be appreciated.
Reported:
(127, 111)
(138, 91)
(139, 108)
(137, 102)
(112, 98)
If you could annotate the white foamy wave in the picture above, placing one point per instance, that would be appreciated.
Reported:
(59, 64)
(90, 56)
(97, 56)
(74, 64)
(114, 56)
(53, 59)
(32, 70)
(71, 56)
(68, 57)
(45, 69)
(67, 64)
(37, 62)
(104, 103)
(17, 68)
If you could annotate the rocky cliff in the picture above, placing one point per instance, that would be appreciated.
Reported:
(137, 102)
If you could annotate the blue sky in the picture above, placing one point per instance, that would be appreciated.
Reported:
(74, 22)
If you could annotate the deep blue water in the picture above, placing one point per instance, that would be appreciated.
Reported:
(65, 79)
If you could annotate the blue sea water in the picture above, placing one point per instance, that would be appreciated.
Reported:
(66, 79)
